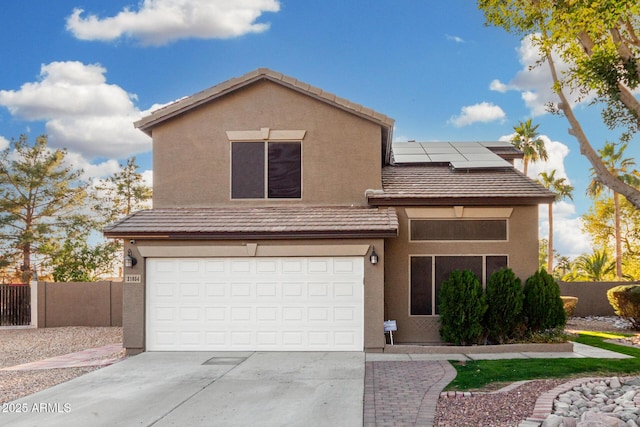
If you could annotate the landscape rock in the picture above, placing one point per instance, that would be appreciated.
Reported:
(604, 403)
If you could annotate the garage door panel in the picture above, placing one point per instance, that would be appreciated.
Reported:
(215, 289)
(240, 266)
(344, 289)
(241, 289)
(318, 290)
(255, 304)
(292, 266)
(190, 289)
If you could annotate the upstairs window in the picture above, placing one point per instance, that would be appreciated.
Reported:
(459, 230)
(265, 169)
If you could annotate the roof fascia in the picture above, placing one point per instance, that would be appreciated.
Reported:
(382, 201)
(254, 235)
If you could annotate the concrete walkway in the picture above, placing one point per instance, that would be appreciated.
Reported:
(98, 356)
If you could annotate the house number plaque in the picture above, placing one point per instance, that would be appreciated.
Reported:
(132, 278)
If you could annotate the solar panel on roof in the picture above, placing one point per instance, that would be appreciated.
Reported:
(412, 149)
(481, 164)
(411, 158)
(447, 157)
(496, 144)
(460, 155)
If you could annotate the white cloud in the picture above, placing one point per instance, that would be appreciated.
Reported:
(147, 177)
(91, 171)
(534, 80)
(157, 22)
(4, 143)
(455, 39)
(483, 112)
(82, 111)
(498, 86)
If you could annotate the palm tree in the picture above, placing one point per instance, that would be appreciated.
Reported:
(621, 168)
(596, 266)
(526, 140)
(561, 189)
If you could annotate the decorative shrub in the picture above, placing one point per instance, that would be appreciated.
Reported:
(569, 304)
(625, 300)
(462, 308)
(504, 294)
(543, 308)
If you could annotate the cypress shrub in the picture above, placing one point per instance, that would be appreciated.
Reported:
(462, 308)
(625, 300)
(503, 318)
(543, 307)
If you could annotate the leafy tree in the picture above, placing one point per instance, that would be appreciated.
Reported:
(526, 140)
(620, 167)
(39, 195)
(543, 253)
(116, 196)
(595, 267)
(77, 261)
(122, 193)
(600, 42)
(562, 263)
(561, 189)
(599, 223)
(71, 258)
(563, 266)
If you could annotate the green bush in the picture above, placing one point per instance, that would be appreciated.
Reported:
(543, 308)
(462, 308)
(625, 300)
(504, 294)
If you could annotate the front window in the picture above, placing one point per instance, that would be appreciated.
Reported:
(429, 271)
(270, 170)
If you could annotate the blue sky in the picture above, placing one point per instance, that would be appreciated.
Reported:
(82, 71)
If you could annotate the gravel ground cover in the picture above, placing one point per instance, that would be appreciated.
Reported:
(18, 346)
(504, 409)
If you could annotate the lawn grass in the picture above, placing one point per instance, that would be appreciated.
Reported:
(478, 374)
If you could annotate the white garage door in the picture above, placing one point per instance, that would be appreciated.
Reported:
(270, 304)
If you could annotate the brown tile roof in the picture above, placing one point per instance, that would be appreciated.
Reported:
(440, 185)
(185, 104)
(267, 222)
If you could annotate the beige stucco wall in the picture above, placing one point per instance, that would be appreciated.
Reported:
(191, 153)
(134, 293)
(521, 249)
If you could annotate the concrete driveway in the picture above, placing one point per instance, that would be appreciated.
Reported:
(205, 389)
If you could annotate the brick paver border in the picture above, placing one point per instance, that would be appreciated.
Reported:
(404, 392)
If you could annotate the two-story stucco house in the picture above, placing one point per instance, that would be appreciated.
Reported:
(284, 218)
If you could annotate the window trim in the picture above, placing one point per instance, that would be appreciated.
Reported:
(433, 272)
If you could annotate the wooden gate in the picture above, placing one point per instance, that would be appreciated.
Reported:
(15, 305)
